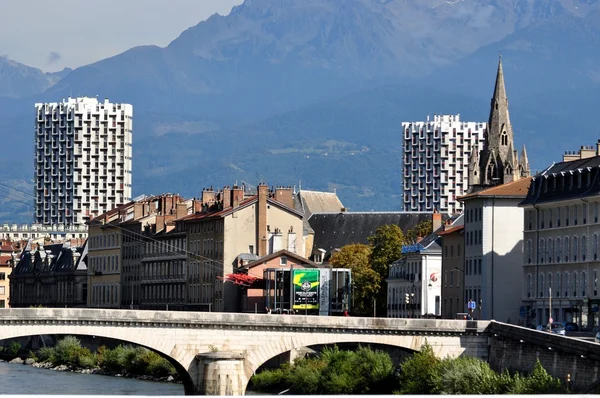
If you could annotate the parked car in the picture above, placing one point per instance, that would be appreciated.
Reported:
(597, 338)
(541, 328)
(558, 328)
(571, 327)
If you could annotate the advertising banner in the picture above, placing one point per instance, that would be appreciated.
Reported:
(306, 289)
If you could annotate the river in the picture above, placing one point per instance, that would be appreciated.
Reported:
(24, 379)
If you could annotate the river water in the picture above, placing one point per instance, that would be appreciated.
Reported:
(24, 379)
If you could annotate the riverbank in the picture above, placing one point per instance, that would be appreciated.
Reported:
(93, 371)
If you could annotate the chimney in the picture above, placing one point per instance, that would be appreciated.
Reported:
(261, 225)
(208, 196)
(138, 210)
(196, 206)
(226, 197)
(181, 210)
(436, 220)
(284, 195)
(237, 196)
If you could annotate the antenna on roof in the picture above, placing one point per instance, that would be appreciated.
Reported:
(299, 184)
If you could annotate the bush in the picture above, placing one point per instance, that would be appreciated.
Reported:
(419, 372)
(334, 371)
(69, 351)
(14, 347)
(465, 375)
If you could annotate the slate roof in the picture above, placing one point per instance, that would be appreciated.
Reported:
(335, 230)
(319, 202)
(62, 261)
(560, 181)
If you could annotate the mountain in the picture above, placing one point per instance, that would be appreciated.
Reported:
(316, 90)
(18, 80)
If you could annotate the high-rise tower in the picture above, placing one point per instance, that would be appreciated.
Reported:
(435, 162)
(498, 162)
(82, 159)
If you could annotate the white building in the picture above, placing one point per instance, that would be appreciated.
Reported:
(436, 160)
(82, 159)
(55, 233)
(561, 260)
(417, 276)
(493, 250)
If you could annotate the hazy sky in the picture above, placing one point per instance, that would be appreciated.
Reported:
(51, 35)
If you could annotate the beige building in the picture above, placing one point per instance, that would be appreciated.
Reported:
(230, 225)
(453, 269)
(561, 259)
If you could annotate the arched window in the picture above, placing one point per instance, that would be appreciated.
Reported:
(504, 138)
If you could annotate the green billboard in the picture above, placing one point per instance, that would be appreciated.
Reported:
(306, 289)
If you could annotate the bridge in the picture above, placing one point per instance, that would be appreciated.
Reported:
(217, 353)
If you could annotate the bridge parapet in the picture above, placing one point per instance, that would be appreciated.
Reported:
(517, 348)
(242, 321)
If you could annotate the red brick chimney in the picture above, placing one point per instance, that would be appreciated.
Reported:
(208, 196)
(237, 196)
(181, 210)
(261, 225)
(226, 197)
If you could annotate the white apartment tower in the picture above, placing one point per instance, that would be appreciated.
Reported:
(82, 159)
(436, 161)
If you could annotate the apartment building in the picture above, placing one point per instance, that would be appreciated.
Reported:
(41, 232)
(82, 159)
(416, 276)
(120, 240)
(230, 225)
(493, 248)
(561, 260)
(435, 162)
(453, 268)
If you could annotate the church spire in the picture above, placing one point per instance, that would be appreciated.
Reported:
(500, 132)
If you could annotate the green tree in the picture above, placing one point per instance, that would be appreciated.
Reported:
(386, 248)
(466, 375)
(419, 372)
(366, 283)
(422, 229)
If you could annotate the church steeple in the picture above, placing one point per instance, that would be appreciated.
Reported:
(500, 132)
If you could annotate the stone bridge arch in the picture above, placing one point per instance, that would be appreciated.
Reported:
(220, 351)
(443, 344)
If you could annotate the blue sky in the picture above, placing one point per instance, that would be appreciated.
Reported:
(71, 33)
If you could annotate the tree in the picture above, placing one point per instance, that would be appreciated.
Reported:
(386, 248)
(419, 373)
(366, 283)
(422, 229)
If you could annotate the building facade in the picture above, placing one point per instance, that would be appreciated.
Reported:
(41, 232)
(435, 161)
(229, 226)
(414, 282)
(561, 261)
(493, 250)
(498, 162)
(453, 269)
(50, 276)
(82, 159)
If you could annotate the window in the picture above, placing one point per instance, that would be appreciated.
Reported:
(595, 283)
(558, 216)
(283, 260)
(529, 285)
(583, 247)
(558, 249)
(575, 247)
(2, 290)
(251, 249)
(557, 284)
(566, 283)
(567, 248)
(529, 246)
(2, 276)
(549, 285)
(574, 284)
(541, 285)
(583, 283)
